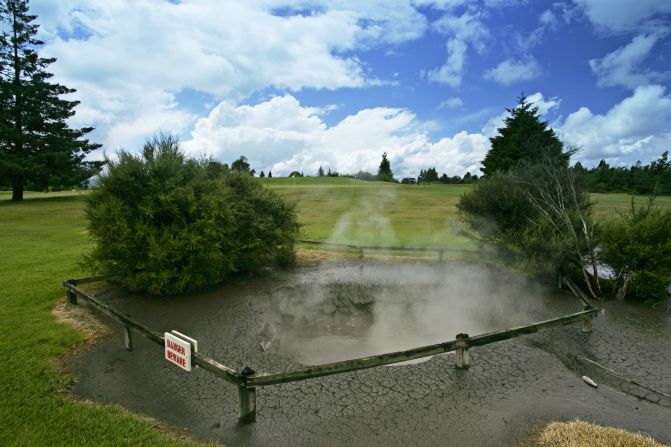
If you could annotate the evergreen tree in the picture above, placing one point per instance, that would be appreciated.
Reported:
(270, 174)
(524, 138)
(37, 146)
(241, 164)
(262, 175)
(320, 172)
(384, 171)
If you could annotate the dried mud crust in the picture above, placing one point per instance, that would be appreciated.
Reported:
(86, 321)
(511, 389)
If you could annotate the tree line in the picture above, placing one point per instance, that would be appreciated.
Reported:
(654, 177)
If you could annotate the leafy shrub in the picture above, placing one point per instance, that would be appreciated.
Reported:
(638, 249)
(538, 217)
(165, 224)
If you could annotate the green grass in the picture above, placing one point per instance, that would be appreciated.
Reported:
(612, 205)
(42, 239)
(357, 212)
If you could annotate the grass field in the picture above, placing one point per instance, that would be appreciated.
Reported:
(42, 239)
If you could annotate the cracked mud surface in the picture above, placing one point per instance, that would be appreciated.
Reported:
(511, 388)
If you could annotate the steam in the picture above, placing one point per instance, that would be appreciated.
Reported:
(343, 312)
(338, 312)
(367, 223)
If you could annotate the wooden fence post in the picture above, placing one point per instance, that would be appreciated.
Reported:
(127, 338)
(360, 252)
(462, 346)
(72, 297)
(587, 322)
(247, 399)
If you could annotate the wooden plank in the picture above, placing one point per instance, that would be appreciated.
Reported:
(492, 337)
(410, 354)
(89, 279)
(350, 365)
(200, 359)
(383, 248)
(216, 368)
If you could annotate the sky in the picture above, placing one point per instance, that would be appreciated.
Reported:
(294, 85)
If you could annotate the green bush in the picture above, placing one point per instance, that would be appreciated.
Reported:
(638, 249)
(163, 223)
(536, 215)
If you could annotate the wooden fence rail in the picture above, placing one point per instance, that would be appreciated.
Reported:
(360, 248)
(248, 380)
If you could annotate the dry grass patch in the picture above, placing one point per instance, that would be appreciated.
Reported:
(584, 434)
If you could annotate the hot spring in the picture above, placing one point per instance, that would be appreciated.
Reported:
(345, 312)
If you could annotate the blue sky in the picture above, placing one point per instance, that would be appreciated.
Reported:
(296, 85)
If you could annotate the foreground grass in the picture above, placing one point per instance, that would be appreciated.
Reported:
(42, 238)
(584, 434)
(40, 241)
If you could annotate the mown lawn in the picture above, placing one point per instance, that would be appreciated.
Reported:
(42, 239)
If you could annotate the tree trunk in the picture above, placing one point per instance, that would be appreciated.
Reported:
(17, 190)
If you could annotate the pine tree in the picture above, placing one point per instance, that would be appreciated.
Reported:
(384, 171)
(320, 172)
(37, 146)
(270, 174)
(523, 138)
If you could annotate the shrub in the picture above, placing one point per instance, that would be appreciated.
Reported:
(638, 249)
(163, 223)
(538, 217)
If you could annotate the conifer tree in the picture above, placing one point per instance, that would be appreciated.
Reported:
(37, 145)
(384, 171)
(523, 138)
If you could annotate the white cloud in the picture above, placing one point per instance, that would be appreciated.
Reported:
(116, 53)
(637, 128)
(283, 136)
(623, 15)
(511, 71)
(465, 30)
(621, 67)
(451, 103)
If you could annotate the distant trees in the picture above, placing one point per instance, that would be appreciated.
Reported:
(431, 176)
(524, 138)
(654, 177)
(37, 145)
(384, 171)
(163, 223)
(320, 172)
(262, 174)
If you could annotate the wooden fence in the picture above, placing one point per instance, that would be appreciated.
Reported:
(248, 380)
(360, 248)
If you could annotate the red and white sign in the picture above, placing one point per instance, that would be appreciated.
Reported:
(178, 348)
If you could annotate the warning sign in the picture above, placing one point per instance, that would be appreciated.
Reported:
(178, 348)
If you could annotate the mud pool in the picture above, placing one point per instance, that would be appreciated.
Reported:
(347, 312)
(318, 314)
